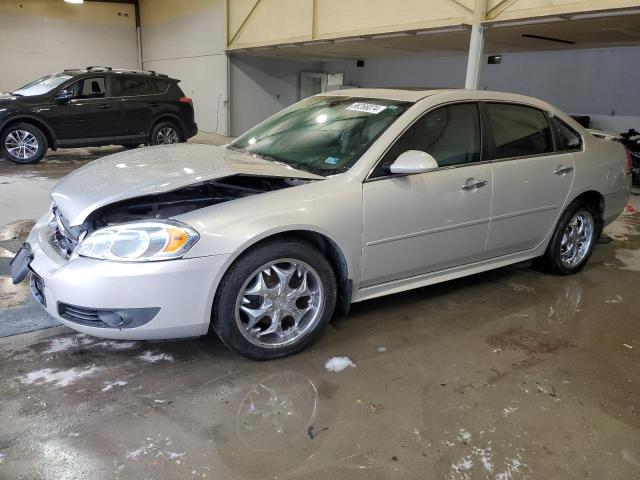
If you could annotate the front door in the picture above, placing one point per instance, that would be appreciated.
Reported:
(531, 178)
(89, 114)
(431, 221)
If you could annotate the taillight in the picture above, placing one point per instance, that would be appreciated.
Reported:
(629, 161)
(186, 100)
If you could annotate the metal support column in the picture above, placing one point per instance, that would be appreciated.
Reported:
(476, 45)
(474, 61)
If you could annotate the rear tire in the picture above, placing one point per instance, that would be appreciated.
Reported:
(274, 300)
(23, 143)
(573, 241)
(166, 133)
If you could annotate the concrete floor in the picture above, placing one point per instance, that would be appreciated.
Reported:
(510, 374)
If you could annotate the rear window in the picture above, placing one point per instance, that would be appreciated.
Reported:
(519, 131)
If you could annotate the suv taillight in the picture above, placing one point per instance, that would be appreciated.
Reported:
(186, 100)
(629, 161)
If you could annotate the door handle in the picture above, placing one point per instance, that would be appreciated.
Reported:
(473, 184)
(104, 106)
(561, 170)
(154, 105)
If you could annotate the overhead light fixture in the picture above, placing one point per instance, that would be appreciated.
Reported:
(435, 31)
(391, 35)
(74, 1)
(604, 14)
(521, 23)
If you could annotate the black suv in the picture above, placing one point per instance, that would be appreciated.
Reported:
(93, 107)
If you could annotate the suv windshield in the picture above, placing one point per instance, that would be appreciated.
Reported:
(321, 135)
(42, 85)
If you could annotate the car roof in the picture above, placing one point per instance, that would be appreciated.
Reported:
(441, 95)
(398, 94)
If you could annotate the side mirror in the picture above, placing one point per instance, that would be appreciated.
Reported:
(64, 96)
(413, 161)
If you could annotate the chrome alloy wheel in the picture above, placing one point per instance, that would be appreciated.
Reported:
(21, 144)
(167, 135)
(280, 303)
(577, 239)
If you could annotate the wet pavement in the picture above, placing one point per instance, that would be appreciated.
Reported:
(510, 374)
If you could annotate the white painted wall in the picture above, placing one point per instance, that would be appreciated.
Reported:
(261, 87)
(39, 37)
(593, 82)
(185, 40)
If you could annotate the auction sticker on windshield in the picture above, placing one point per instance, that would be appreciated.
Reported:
(366, 108)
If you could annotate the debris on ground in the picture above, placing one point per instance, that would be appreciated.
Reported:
(617, 299)
(337, 364)
(313, 434)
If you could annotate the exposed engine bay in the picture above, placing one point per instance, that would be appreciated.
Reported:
(168, 204)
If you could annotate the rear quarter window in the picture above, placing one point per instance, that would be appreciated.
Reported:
(158, 85)
(568, 138)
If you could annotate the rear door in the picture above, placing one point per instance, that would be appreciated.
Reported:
(138, 98)
(531, 177)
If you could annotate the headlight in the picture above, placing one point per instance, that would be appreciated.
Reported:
(139, 241)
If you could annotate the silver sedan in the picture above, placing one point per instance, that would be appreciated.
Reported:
(340, 198)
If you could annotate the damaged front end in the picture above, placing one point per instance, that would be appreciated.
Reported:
(163, 206)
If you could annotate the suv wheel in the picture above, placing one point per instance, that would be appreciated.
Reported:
(165, 133)
(274, 300)
(23, 143)
(573, 241)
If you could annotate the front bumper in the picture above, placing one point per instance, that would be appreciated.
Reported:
(181, 289)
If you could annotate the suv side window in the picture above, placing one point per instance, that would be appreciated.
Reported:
(129, 86)
(451, 134)
(569, 139)
(519, 130)
(88, 88)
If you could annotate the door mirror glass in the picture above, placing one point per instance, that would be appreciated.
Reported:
(413, 161)
(64, 96)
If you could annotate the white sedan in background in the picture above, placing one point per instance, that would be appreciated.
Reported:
(340, 198)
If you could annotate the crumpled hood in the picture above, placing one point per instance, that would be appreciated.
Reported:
(152, 170)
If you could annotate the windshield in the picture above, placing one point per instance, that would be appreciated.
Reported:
(321, 135)
(42, 85)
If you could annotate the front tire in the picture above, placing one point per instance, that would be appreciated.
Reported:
(23, 143)
(573, 240)
(274, 300)
(165, 133)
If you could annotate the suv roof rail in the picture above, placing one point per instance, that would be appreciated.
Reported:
(101, 68)
(142, 72)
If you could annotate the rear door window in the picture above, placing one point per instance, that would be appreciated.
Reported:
(130, 86)
(519, 131)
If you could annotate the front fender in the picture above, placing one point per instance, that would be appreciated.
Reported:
(331, 208)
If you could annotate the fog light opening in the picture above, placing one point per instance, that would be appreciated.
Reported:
(113, 319)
